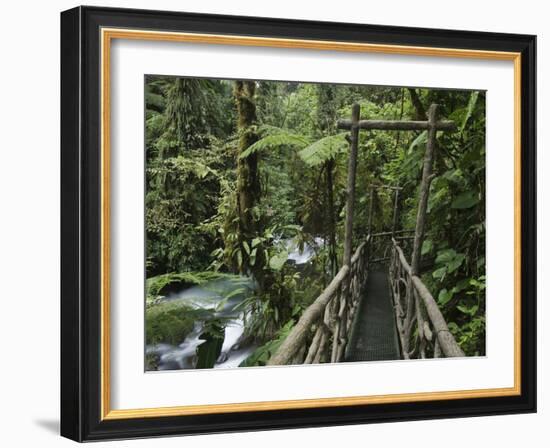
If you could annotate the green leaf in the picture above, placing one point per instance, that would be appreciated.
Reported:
(234, 293)
(445, 256)
(239, 258)
(253, 256)
(445, 296)
(477, 283)
(246, 247)
(461, 285)
(277, 261)
(427, 246)
(216, 252)
(453, 327)
(296, 310)
(420, 140)
(470, 109)
(455, 263)
(465, 200)
(467, 310)
(296, 228)
(439, 273)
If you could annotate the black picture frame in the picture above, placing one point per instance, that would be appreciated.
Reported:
(81, 224)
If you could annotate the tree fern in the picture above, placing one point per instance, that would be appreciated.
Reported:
(324, 149)
(276, 138)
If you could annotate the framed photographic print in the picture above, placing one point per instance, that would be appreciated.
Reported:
(274, 224)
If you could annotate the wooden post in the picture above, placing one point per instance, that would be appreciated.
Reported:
(371, 210)
(412, 305)
(333, 257)
(352, 168)
(424, 189)
(339, 336)
(395, 206)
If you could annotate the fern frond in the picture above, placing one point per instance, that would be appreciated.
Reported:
(276, 140)
(324, 149)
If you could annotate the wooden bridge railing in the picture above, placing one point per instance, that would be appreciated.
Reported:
(416, 308)
(321, 334)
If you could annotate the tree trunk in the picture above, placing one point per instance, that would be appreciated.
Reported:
(420, 110)
(248, 182)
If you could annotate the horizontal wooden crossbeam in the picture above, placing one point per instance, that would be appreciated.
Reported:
(397, 232)
(396, 125)
(382, 186)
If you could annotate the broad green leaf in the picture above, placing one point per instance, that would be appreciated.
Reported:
(277, 261)
(439, 273)
(445, 296)
(253, 256)
(294, 227)
(470, 109)
(445, 256)
(461, 285)
(239, 258)
(420, 140)
(465, 200)
(478, 284)
(216, 252)
(427, 246)
(467, 310)
(455, 263)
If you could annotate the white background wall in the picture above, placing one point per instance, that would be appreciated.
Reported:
(29, 220)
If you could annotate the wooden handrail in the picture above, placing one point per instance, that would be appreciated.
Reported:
(358, 251)
(297, 338)
(446, 340)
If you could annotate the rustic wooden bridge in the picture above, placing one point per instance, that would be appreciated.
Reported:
(376, 307)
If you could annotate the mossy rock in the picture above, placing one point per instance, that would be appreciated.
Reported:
(168, 323)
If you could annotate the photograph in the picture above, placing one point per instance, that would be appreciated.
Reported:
(280, 223)
(291, 223)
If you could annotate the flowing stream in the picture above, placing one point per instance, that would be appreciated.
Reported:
(211, 299)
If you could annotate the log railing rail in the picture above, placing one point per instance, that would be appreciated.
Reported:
(321, 332)
(432, 336)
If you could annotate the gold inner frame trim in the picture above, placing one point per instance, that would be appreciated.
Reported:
(107, 35)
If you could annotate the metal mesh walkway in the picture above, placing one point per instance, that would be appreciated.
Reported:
(373, 335)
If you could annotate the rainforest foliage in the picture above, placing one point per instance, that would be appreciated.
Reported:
(236, 169)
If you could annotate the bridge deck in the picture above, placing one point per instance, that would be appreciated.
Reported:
(374, 334)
